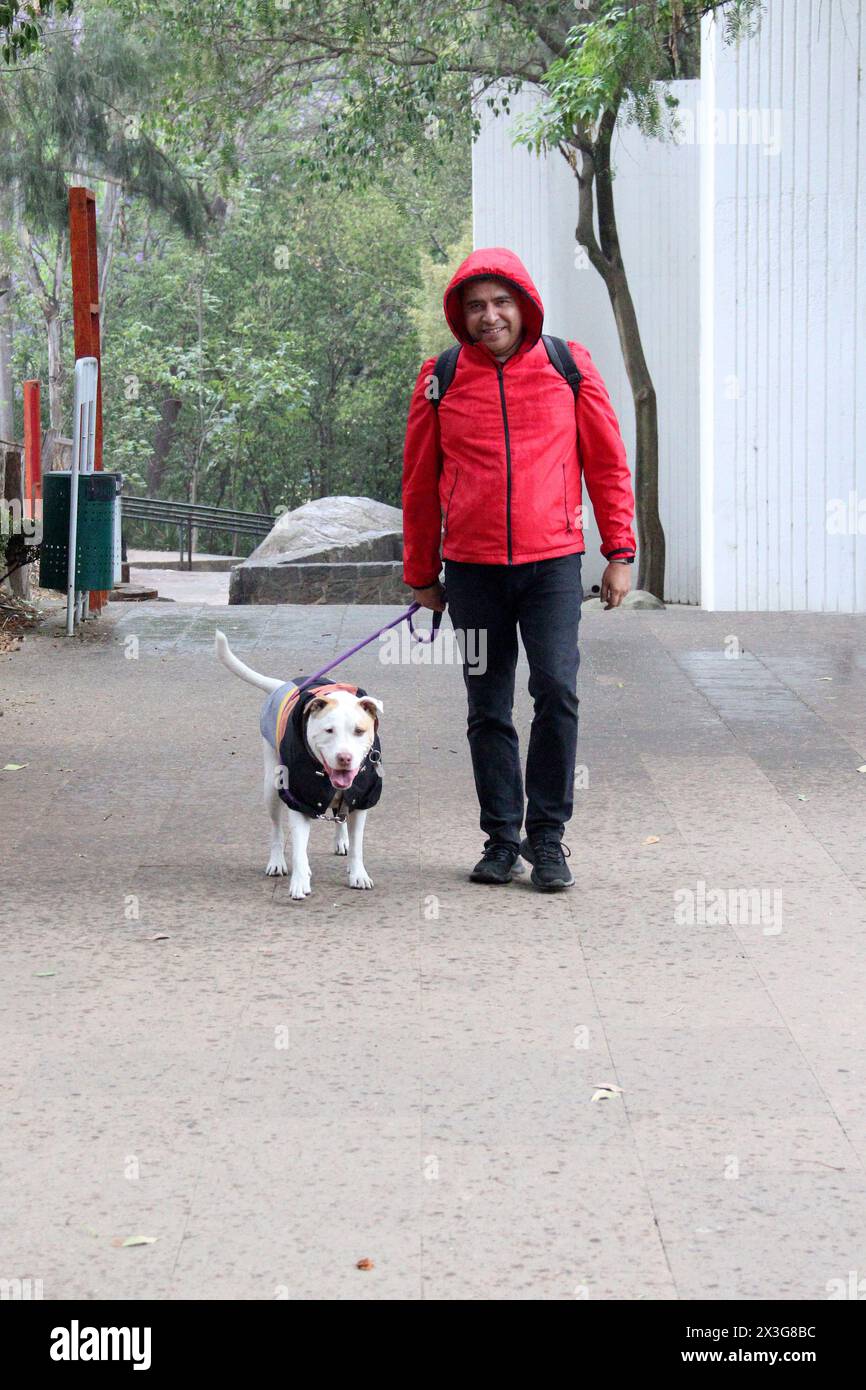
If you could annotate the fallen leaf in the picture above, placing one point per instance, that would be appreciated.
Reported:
(43, 974)
(606, 1092)
(652, 839)
(138, 1240)
(825, 678)
(14, 767)
(161, 936)
(801, 797)
(862, 767)
(365, 1264)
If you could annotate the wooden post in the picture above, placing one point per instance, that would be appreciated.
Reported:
(32, 448)
(85, 309)
(13, 500)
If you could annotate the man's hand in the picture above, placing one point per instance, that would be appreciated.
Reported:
(615, 584)
(431, 597)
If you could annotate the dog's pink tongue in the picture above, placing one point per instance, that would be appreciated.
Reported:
(341, 779)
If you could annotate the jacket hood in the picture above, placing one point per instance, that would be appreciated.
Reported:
(495, 262)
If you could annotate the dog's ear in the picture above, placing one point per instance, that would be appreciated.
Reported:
(313, 706)
(373, 707)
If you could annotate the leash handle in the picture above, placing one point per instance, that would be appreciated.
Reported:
(423, 636)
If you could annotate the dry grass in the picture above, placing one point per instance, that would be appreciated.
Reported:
(17, 617)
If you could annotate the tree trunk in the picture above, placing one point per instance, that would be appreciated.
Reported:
(111, 210)
(651, 557)
(233, 491)
(55, 383)
(199, 449)
(7, 321)
(193, 497)
(49, 302)
(7, 412)
(169, 410)
(595, 184)
(13, 492)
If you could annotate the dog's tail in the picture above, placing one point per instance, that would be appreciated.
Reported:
(246, 673)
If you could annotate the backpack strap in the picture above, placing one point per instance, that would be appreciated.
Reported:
(561, 358)
(443, 373)
(557, 351)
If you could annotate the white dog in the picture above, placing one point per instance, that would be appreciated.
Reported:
(321, 751)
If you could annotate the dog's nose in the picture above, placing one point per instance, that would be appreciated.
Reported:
(344, 760)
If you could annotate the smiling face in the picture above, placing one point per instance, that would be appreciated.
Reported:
(493, 317)
(340, 733)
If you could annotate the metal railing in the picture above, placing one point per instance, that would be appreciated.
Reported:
(190, 516)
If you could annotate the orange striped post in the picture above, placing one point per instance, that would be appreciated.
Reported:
(85, 309)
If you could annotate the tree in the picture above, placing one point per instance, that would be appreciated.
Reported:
(608, 66)
(77, 115)
(259, 328)
(306, 347)
(21, 26)
(396, 75)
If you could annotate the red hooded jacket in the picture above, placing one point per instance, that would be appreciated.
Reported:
(500, 461)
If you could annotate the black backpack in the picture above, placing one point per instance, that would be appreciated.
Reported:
(557, 351)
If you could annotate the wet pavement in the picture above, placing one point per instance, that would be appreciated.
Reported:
(184, 586)
(275, 1090)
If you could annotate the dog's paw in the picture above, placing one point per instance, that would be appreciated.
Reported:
(341, 840)
(277, 866)
(300, 886)
(359, 878)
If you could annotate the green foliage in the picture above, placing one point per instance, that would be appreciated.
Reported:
(261, 347)
(403, 76)
(616, 61)
(92, 100)
(21, 26)
(433, 332)
(300, 383)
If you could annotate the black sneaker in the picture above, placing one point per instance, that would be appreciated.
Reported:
(547, 855)
(496, 864)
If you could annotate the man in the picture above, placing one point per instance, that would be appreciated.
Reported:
(492, 471)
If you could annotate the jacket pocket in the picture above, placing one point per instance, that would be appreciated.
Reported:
(450, 500)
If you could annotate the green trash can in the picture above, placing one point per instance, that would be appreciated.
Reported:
(94, 561)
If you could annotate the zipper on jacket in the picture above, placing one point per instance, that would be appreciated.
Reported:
(448, 508)
(507, 460)
(565, 499)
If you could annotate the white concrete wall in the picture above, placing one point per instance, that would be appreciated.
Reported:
(530, 205)
(783, 383)
(745, 249)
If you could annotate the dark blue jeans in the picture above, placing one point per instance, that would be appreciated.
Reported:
(487, 604)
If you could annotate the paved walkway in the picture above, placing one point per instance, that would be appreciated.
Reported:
(210, 587)
(277, 1090)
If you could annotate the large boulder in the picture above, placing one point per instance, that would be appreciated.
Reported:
(328, 523)
(635, 598)
(331, 550)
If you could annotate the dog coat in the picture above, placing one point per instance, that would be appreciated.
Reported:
(307, 787)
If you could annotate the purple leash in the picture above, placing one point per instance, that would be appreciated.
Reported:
(403, 618)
